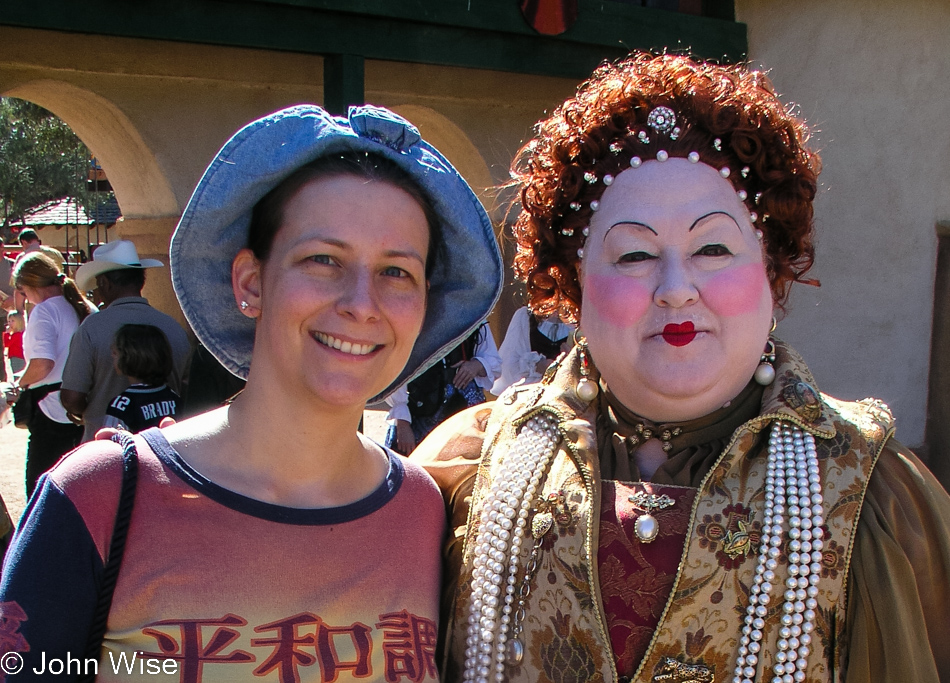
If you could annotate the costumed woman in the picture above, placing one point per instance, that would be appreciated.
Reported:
(327, 260)
(530, 346)
(676, 500)
(456, 382)
(58, 308)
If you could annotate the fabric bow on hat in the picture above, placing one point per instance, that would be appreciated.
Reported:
(381, 125)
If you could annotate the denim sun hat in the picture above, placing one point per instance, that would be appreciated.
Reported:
(467, 276)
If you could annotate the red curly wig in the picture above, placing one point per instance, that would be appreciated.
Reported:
(730, 115)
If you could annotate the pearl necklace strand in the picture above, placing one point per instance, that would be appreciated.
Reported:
(502, 524)
(793, 487)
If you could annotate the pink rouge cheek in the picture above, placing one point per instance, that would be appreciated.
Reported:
(736, 291)
(620, 301)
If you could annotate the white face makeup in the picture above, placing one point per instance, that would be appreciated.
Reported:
(342, 294)
(676, 302)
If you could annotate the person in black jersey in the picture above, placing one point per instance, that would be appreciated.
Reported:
(143, 355)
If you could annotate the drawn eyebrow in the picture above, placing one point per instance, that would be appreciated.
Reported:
(714, 213)
(636, 223)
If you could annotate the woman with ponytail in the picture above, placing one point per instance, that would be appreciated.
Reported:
(58, 308)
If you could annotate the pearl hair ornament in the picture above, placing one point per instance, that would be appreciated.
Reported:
(662, 120)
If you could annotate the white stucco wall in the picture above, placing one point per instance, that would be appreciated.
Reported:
(871, 77)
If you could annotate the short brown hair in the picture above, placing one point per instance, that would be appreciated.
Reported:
(730, 115)
(143, 352)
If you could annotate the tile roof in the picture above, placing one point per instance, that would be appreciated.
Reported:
(68, 211)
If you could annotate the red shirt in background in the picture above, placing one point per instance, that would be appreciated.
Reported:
(13, 344)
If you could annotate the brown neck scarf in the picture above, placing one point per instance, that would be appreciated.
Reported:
(692, 446)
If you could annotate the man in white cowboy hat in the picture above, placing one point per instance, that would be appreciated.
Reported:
(90, 380)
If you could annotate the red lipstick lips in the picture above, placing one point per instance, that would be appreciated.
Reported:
(679, 334)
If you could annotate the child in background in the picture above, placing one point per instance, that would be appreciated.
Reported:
(143, 355)
(13, 341)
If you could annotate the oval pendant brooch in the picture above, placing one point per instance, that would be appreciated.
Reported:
(645, 526)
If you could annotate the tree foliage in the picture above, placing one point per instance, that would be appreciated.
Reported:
(40, 159)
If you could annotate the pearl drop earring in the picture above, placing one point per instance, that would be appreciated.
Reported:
(586, 388)
(765, 373)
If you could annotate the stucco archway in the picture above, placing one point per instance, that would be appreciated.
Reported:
(142, 189)
(140, 186)
(452, 141)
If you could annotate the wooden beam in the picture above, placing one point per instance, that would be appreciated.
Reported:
(480, 34)
(343, 82)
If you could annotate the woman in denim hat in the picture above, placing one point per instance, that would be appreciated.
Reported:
(327, 261)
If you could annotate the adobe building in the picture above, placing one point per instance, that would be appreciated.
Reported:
(154, 92)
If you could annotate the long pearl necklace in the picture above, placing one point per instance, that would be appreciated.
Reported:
(502, 524)
(792, 487)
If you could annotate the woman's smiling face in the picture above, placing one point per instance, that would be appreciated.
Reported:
(676, 302)
(342, 294)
